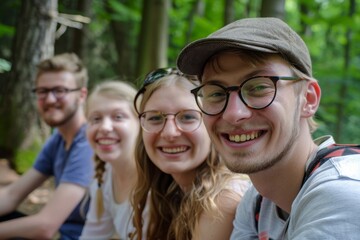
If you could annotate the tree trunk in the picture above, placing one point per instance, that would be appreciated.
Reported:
(80, 40)
(153, 41)
(196, 10)
(305, 28)
(34, 41)
(123, 36)
(344, 83)
(273, 8)
(229, 12)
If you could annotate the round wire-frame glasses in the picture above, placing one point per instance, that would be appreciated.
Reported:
(256, 92)
(186, 120)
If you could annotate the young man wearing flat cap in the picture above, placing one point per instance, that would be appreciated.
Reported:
(259, 98)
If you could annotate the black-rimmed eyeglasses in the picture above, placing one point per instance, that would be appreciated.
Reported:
(58, 92)
(185, 120)
(256, 92)
(152, 77)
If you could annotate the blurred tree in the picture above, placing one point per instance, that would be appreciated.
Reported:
(343, 91)
(34, 41)
(80, 41)
(123, 23)
(196, 10)
(153, 39)
(273, 8)
(73, 19)
(305, 28)
(229, 12)
(9, 10)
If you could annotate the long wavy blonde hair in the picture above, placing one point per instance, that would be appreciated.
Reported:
(173, 213)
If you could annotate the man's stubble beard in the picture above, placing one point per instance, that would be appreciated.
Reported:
(237, 165)
(69, 114)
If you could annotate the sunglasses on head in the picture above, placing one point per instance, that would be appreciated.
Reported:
(153, 77)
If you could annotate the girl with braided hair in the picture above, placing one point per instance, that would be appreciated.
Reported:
(112, 130)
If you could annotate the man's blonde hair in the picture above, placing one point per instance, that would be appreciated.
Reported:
(68, 62)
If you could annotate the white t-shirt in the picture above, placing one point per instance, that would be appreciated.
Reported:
(116, 219)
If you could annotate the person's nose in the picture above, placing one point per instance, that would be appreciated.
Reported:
(106, 125)
(236, 110)
(170, 130)
(50, 97)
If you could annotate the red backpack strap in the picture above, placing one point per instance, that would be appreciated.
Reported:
(322, 156)
(325, 154)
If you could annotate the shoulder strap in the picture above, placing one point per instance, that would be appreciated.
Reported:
(257, 210)
(325, 154)
(321, 157)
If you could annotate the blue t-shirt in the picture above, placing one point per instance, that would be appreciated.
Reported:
(72, 166)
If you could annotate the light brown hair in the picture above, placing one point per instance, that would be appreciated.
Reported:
(68, 62)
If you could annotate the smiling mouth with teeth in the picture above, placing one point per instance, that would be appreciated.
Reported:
(244, 137)
(106, 142)
(174, 149)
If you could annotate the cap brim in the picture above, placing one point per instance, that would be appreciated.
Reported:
(193, 57)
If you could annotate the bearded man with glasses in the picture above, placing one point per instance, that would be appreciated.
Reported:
(61, 90)
(259, 98)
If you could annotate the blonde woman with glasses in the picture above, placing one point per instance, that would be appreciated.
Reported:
(192, 194)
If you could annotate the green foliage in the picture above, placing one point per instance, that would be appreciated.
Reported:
(25, 158)
(328, 24)
(8, 14)
(123, 12)
(6, 30)
(103, 64)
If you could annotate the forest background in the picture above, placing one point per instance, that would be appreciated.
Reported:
(125, 39)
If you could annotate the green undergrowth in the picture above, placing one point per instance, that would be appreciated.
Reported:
(26, 157)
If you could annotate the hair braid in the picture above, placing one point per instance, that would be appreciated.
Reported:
(99, 171)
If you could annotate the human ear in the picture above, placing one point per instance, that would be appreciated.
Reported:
(312, 97)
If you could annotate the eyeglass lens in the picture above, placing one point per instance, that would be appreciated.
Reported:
(58, 92)
(186, 121)
(256, 93)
